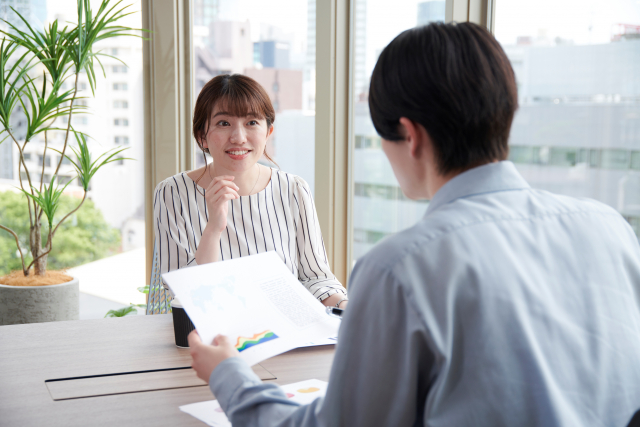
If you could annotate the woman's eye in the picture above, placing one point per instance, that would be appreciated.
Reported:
(223, 123)
(253, 122)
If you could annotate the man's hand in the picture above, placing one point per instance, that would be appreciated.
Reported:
(207, 357)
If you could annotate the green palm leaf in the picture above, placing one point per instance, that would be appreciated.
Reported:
(48, 199)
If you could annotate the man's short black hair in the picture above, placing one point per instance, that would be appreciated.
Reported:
(457, 82)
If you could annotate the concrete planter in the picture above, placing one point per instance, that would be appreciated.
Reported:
(37, 304)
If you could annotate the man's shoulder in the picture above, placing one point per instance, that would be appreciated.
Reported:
(467, 215)
(520, 204)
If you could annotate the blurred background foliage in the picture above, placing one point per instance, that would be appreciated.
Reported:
(83, 238)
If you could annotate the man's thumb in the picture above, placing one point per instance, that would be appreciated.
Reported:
(221, 340)
(194, 338)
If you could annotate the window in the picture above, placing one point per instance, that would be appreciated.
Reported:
(576, 131)
(119, 200)
(120, 104)
(121, 140)
(278, 51)
(120, 86)
(62, 179)
(27, 156)
(66, 161)
(47, 160)
(379, 208)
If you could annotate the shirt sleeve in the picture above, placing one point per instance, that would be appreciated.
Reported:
(170, 228)
(314, 271)
(380, 376)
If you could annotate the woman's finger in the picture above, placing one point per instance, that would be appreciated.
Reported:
(227, 190)
(224, 198)
(214, 187)
(226, 179)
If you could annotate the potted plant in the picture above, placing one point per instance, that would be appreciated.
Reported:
(35, 68)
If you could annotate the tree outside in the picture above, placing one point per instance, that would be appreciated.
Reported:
(83, 238)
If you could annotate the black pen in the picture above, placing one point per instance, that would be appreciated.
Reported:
(335, 312)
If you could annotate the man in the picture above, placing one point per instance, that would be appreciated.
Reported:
(503, 306)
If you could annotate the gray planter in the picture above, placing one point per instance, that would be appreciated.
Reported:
(37, 304)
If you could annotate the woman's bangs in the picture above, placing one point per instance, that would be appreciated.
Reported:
(241, 104)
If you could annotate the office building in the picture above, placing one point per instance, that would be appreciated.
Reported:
(271, 54)
(231, 46)
(283, 86)
(430, 11)
(577, 131)
(205, 12)
(360, 77)
(34, 11)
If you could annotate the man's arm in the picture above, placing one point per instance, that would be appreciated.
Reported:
(380, 374)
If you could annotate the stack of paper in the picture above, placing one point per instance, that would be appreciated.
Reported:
(256, 301)
(212, 414)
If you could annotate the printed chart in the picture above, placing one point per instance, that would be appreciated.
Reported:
(244, 343)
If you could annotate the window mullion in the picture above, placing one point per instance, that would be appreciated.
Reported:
(167, 84)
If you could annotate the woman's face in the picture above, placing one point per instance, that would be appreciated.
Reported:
(236, 143)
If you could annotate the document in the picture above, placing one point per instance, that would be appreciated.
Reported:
(255, 301)
(211, 413)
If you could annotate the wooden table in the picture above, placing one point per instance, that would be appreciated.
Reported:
(81, 357)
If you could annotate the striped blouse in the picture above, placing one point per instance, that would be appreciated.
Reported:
(280, 218)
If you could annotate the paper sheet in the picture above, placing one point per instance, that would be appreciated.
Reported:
(255, 301)
(326, 341)
(211, 413)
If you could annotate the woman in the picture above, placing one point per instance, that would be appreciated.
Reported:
(235, 206)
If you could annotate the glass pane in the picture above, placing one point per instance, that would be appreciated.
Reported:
(379, 207)
(577, 66)
(103, 242)
(273, 43)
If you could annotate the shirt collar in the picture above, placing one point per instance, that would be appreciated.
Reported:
(489, 178)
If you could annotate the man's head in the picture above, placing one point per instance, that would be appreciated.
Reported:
(452, 84)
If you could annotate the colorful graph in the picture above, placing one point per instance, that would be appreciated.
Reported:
(244, 343)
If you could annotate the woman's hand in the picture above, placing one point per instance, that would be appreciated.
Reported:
(334, 299)
(217, 195)
(207, 357)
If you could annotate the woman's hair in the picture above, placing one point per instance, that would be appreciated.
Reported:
(457, 82)
(235, 94)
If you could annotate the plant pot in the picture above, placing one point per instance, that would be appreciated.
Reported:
(37, 304)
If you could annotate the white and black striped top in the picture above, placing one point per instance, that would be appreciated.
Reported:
(280, 218)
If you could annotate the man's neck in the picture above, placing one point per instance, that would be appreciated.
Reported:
(436, 181)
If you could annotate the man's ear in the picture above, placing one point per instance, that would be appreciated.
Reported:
(413, 136)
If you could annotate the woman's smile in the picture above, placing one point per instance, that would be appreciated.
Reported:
(238, 154)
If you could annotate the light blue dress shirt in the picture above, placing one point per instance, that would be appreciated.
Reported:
(503, 306)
